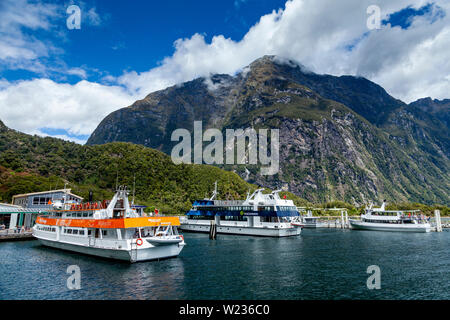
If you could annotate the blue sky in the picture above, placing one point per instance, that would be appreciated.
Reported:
(127, 49)
(136, 35)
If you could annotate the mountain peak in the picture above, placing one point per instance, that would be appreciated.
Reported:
(431, 105)
(438, 108)
(273, 61)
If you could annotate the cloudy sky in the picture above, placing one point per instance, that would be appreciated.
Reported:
(62, 82)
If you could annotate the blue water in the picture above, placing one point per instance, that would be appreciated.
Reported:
(318, 264)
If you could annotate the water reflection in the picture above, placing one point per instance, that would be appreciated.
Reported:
(318, 264)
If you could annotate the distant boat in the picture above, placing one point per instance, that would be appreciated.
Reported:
(111, 230)
(309, 221)
(258, 215)
(380, 219)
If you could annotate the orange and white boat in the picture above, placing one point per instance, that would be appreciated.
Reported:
(111, 230)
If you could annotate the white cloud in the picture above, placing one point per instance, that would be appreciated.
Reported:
(29, 31)
(317, 34)
(59, 136)
(410, 63)
(77, 72)
(33, 104)
(93, 18)
(16, 15)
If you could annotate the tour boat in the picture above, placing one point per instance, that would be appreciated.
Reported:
(380, 219)
(111, 230)
(259, 215)
(309, 221)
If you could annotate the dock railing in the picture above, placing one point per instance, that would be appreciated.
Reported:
(15, 231)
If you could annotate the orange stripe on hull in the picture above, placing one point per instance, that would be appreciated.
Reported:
(110, 223)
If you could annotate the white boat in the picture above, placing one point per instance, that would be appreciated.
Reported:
(113, 230)
(309, 221)
(259, 215)
(380, 219)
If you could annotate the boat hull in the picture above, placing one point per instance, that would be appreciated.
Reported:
(247, 231)
(360, 225)
(134, 255)
(314, 225)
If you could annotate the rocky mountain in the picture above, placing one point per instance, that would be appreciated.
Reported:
(438, 108)
(342, 138)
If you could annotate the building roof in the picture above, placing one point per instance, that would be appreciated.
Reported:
(67, 191)
(9, 205)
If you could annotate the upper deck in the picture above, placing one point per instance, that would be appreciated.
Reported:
(112, 223)
(115, 214)
(257, 204)
(372, 214)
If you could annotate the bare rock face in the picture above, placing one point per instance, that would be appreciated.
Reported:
(342, 138)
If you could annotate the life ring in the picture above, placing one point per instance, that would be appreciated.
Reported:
(139, 242)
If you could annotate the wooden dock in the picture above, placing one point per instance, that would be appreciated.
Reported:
(16, 235)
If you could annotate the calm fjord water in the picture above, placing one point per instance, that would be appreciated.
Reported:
(318, 264)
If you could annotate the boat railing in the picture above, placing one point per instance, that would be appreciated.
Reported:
(228, 202)
(165, 232)
(275, 224)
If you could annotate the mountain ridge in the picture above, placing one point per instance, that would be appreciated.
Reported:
(341, 137)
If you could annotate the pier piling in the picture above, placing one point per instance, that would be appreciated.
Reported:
(437, 215)
(347, 223)
(212, 230)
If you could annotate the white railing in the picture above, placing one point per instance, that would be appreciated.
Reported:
(15, 231)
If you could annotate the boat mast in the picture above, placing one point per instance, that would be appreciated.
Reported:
(134, 188)
(214, 192)
(65, 192)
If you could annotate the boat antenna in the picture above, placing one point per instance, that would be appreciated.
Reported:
(65, 192)
(117, 179)
(214, 192)
(134, 188)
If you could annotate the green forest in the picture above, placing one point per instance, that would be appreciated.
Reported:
(31, 164)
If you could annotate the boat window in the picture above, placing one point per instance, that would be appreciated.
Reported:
(269, 219)
(233, 218)
(75, 231)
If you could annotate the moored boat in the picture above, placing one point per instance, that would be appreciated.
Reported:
(309, 221)
(380, 219)
(111, 230)
(259, 215)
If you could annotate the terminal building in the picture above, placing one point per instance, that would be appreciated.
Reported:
(5, 214)
(26, 207)
(43, 200)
